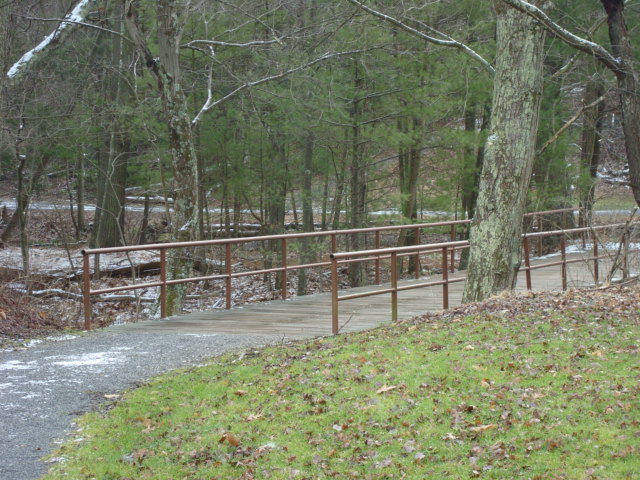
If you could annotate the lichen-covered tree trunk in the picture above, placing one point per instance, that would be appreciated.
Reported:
(166, 71)
(495, 251)
(627, 89)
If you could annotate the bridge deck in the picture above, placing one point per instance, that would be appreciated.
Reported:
(310, 316)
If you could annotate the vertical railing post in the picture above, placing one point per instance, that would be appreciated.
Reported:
(452, 236)
(394, 287)
(227, 266)
(539, 217)
(334, 294)
(377, 258)
(445, 279)
(334, 243)
(163, 281)
(417, 261)
(86, 290)
(283, 277)
(596, 275)
(527, 261)
(563, 254)
(625, 255)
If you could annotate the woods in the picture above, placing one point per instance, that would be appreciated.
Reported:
(316, 113)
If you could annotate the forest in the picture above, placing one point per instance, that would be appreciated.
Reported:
(147, 121)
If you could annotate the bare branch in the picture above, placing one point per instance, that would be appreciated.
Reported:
(210, 103)
(193, 43)
(82, 24)
(445, 41)
(566, 36)
(569, 122)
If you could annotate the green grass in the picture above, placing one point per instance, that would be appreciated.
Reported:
(542, 390)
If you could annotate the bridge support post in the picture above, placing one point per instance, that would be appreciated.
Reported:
(394, 287)
(334, 296)
(445, 279)
(163, 286)
(527, 261)
(563, 254)
(595, 261)
(86, 290)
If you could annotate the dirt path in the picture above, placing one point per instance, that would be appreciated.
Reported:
(44, 387)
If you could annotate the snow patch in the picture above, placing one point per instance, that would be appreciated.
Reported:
(90, 359)
(74, 16)
(16, 365)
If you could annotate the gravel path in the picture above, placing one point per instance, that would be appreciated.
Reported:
(44, 387)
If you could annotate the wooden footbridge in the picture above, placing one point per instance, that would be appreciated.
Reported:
(362, 308)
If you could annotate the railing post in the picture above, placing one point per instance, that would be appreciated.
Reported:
(539, 238)
(86, 290)
(625, 255)
(377, 258)
(163, 280)
(563, 254)
(334, 295)
(334, 243)
(445, 279)
(527, 261)
(417, 272)
(453, 250)
(227, 265)
(596, 275)
(394, 287)
(283, 277)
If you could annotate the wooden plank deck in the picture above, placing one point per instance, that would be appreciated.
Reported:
(310, 316)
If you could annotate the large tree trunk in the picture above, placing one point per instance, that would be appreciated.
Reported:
(495, 251)
(306, 255)
(409, 166)
(590, 148)
(358, 185)
(627, 89)
(166, 71)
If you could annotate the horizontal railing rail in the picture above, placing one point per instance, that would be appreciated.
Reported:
(229, 243)
(340, 258)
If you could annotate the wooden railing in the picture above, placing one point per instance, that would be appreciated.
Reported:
(229, 243)
(342, 258)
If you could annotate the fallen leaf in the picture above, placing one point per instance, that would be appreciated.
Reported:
(230, 438)
(483, 428)
(386, 389)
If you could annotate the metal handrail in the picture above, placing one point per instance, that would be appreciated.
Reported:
(393, 252)
(228, 243)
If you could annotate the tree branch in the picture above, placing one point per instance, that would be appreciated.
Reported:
(569, 122)
(210, 103)
(83, 24)
(76, 16)
(566, 36)
(446, 41)
(193, 43)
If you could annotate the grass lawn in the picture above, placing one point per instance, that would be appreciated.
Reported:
(538, 387)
